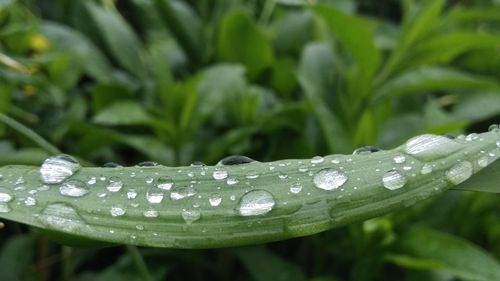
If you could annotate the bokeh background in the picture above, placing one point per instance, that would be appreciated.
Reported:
(175, 82)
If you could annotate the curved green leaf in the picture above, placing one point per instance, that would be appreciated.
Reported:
(219, 206)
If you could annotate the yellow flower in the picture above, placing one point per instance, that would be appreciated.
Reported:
(39, 43)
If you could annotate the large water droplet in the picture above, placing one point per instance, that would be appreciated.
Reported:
(329, 179)
(73, 188)
(460, 172)
(62, 217)
(117, 211)
(191, 215)
(215, 200)
(115, 184)
(219, 174)
(4, 208)
(235, 160)
(393, 180)
(255, 202)
(431, 147)
(58, 168)
(182, 192)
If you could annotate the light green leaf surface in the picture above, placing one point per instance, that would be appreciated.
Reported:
(220, 206)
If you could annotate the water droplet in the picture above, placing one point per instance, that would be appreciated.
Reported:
(235, 160)
(431, 147)
(329, 179)
(232, 197)
(164, 183)
(5, 197)
(149, 180)
(131, 194)
(117, 211)
(460, 172)
(112, 165)
(182, 192)
(296, 188)
(74, 188)
(154, 196)
(365, 150)
(472, 137)
(282, 176)
(215, 200)
(393, 180)
(30, 201)
(197, 164)
(190, 216)
(148, 164)
(58, 168)
(252, 175)
(150, 213)
(4, 208)
(139, 227)
(219, 174)
(303, 168)
(115, 184)
(317, 160)
(255, 202)
(494, 128)
(498, 143)
(400, 159)
(483, 161)
(62, 217)
(232, 181)
(426, 169)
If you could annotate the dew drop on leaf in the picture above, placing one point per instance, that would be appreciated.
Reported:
(154, 196)
(62, 217)
(190, 215)
(182, 192)
(58, 168)
(5, 197)
(459, 172)
(219, 173)
(317, 160)
(426, 169)
(430, 147)
(215, 200)
(296, 188)
(117, 211)
(235, 160)
(4, 208)
(400, 159)
(232, 181)
(164, 183)
(483, 161)
(329, 179)
(393, 180)
(73, 188)
(115, 184)
(365, 150)
(255, 202)
(150, 213)
(30, 201)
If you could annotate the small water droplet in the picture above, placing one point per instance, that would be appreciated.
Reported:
(58, 168)
(296, 188)
(483, 161)
(30, 201)
(329, 179)
(494, 128)
(164, 183)
(131, 194)
(139, 227)
(219, 174)
(232, 181)
(92, 181)
(317, 160)
(252, 175)
(115, 184)
(426, 169)
(154, 196)
(4, 208)
(190, 216)
(393, 180)
(472, 137)
(431, 147)
(117, 211)
(112, 165)
(73, 188)
(498, 143)
(400, 159)
(303, 168)
(150, 213)
(460, 172)
(181, 192)
(232, 197)
(215, 200)
(282, 176)
(148, 164)
(255, 202)
(365, 150)
(149, 180)
(197, 164)
(5, 197)
(235, 160)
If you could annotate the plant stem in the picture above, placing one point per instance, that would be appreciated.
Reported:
(267, 11)
(139, 262)
(32, 135)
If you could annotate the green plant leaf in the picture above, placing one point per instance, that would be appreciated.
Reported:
(241, 40)
(212, 206)
(432, 79)
(123, 43)
(431, 249)
(478, 106)
(16, 258)
(123, 113)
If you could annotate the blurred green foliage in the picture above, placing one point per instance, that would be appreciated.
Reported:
(183, 81)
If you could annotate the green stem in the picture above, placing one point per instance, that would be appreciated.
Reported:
(66, 263)
(139, 262)
(32, 135)
(267, 11)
